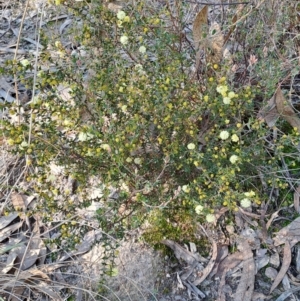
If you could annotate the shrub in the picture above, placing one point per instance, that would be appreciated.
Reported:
(160, 142)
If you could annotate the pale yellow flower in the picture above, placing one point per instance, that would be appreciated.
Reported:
(10, 141)
(126, 19)
(137, 161)
(222, 90)
(25, 62)
(191, 146)
(142, 49)
(233, 159)
(250, 193)
(245, 203)
(58, 44)
(106, 147)
(210, 218)
(224, 135)
(124, 40)
(226, 100)
(82, 136)
(235, 138)
(199, 209)
(121, 15)
(185, 188)
(231, 94)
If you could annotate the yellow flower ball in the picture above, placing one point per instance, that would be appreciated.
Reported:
(226, 100)
(222, 89)
(191, 146)
(126, 19)
(210, 218)
(124, 40)
(121, 15)
(250, 193)
(231, 94)
(142, 49)
(246, 203)
(224, 135)
(25, 62)
(137, 161)
(233, 159)
(185, 188)
(199, 209)
(235, 138)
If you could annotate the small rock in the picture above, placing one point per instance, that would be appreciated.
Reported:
(230, 229)
(261, 252)
(271, 273)
(227, 289)
(286, 283)
(274, 260)
(251, 237)
(179, 298)
(262, 262)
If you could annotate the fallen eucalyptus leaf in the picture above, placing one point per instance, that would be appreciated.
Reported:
(286, 110)
(182, 253)
(289, 233)
(5, 233)
(200, 27)
(10, 262)
(222, 254)
(246, 284)
(7, 247)
(6, 220)
(209, 266)
(287, 258)
(286, 294)
(269, 113)
(229, 262)
(30, 258)
(19, 201)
